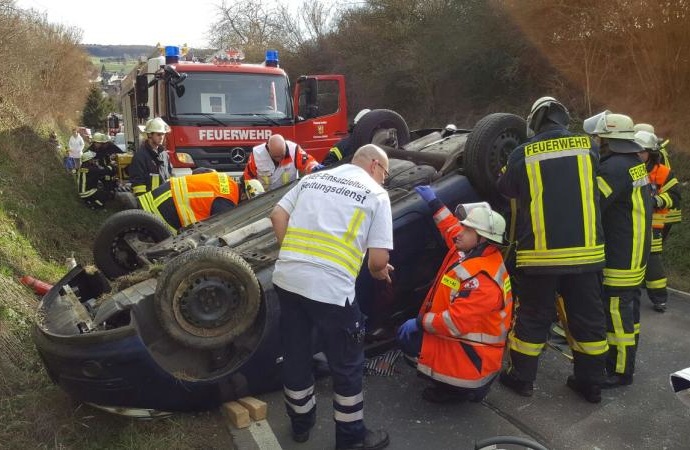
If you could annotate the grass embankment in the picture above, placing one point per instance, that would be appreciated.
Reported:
(677, 246)
(41, 223)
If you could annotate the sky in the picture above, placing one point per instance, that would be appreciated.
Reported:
(132, 22)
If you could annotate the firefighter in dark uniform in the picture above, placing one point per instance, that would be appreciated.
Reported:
(674, 214)
(560, 249)
(104, 150)
(626, 208)
(150, 165)
(89, 175)
(345, 147)
(666, 195)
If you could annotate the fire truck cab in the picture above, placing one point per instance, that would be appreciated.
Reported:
(219, 110)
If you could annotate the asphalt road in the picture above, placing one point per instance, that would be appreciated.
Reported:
(646, 415)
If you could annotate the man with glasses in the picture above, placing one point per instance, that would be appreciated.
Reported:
(151, 164)
(325, 225)
(458, 337)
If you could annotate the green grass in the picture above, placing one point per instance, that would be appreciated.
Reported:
(111, 66)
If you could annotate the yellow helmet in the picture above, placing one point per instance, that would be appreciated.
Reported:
(100, 138)
(156, 125)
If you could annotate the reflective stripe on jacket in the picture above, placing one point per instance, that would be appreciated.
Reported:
(194, 194)
(466, 315)
(667, 191)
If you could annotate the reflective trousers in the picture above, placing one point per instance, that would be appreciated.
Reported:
(623, 329)
(536, 312)
(341, 337)
(655, 279)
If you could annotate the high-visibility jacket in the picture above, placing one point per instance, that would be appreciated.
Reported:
(149, 169)
(466, 315)
(666, 193)
(192, 196)
(261, 166)
(626, 208)
(342, 149)
(553, 178)
(674, 214)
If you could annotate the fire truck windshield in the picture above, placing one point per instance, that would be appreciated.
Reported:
(227, 96)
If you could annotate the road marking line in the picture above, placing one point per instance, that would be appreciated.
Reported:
(676, 291)
(263, 436)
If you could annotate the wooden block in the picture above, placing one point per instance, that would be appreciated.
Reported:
(257, 409)
(238, 414)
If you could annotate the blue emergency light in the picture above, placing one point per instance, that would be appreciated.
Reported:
(172, 54)
(271, 58)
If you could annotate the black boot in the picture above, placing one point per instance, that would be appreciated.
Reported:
(524, 388)
(590, 392)
(617, 380)
(373, 440)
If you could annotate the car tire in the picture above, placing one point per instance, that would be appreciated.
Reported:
(488, 146)
(207, 297)
(373, 127)
(112, 252)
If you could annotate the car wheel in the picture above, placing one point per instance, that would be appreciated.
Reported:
(124, 235)
(382, 127)
(207, 297)
(488, 146)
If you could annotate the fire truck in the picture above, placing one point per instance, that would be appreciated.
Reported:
(218, 110)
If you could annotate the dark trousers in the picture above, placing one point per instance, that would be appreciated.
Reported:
(586, 322)
(623, 325)
(341, 334)
(655, 279)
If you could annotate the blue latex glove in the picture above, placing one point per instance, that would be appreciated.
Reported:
(407, 329)
(318, 167)
(426, 193)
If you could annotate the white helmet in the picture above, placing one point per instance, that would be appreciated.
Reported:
(100, 138)
(644, 127)
(87, 156)
(254, 188)
(617, 128)
(546, 108)
(486, 222)
(156, 125)
(359, 115)
(647, 140)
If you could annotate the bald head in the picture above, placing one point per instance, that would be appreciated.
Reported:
(374, 160)
(276, 147)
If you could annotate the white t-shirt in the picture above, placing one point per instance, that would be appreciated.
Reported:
(335, 216)
(76, 145)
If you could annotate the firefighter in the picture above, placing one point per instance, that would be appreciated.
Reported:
(88, 177)
(325, 225)
(626, 207)
(183, 201)
(459, 335)
(278, 162)
(666, 195)
(674, 214)
(104, 150)
(151, 164)
(344, 147)
(560, 249)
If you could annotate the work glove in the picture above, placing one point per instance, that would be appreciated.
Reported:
(426, 193)
(658, 201)
(317, 167)
(407, 329)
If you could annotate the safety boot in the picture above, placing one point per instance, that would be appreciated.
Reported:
(590, 392)
(660, 307)
(524, 388)
(616, 380)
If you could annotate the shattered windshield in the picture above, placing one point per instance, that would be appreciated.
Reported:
(225, 96)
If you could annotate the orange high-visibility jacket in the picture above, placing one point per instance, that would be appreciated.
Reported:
(194, 194)
(663, 182)
(466, 314)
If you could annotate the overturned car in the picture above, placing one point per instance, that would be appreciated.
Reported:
(187, 321)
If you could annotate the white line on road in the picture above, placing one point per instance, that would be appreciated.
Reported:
(263, 436)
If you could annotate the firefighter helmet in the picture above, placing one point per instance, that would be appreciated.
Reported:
(617, 129)
(647, 140)
(486, 222)
(100, 138)
(87, 156)
(359, 115)
(545, 110)
(156, 125)
(644, 127)
(254, 188)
